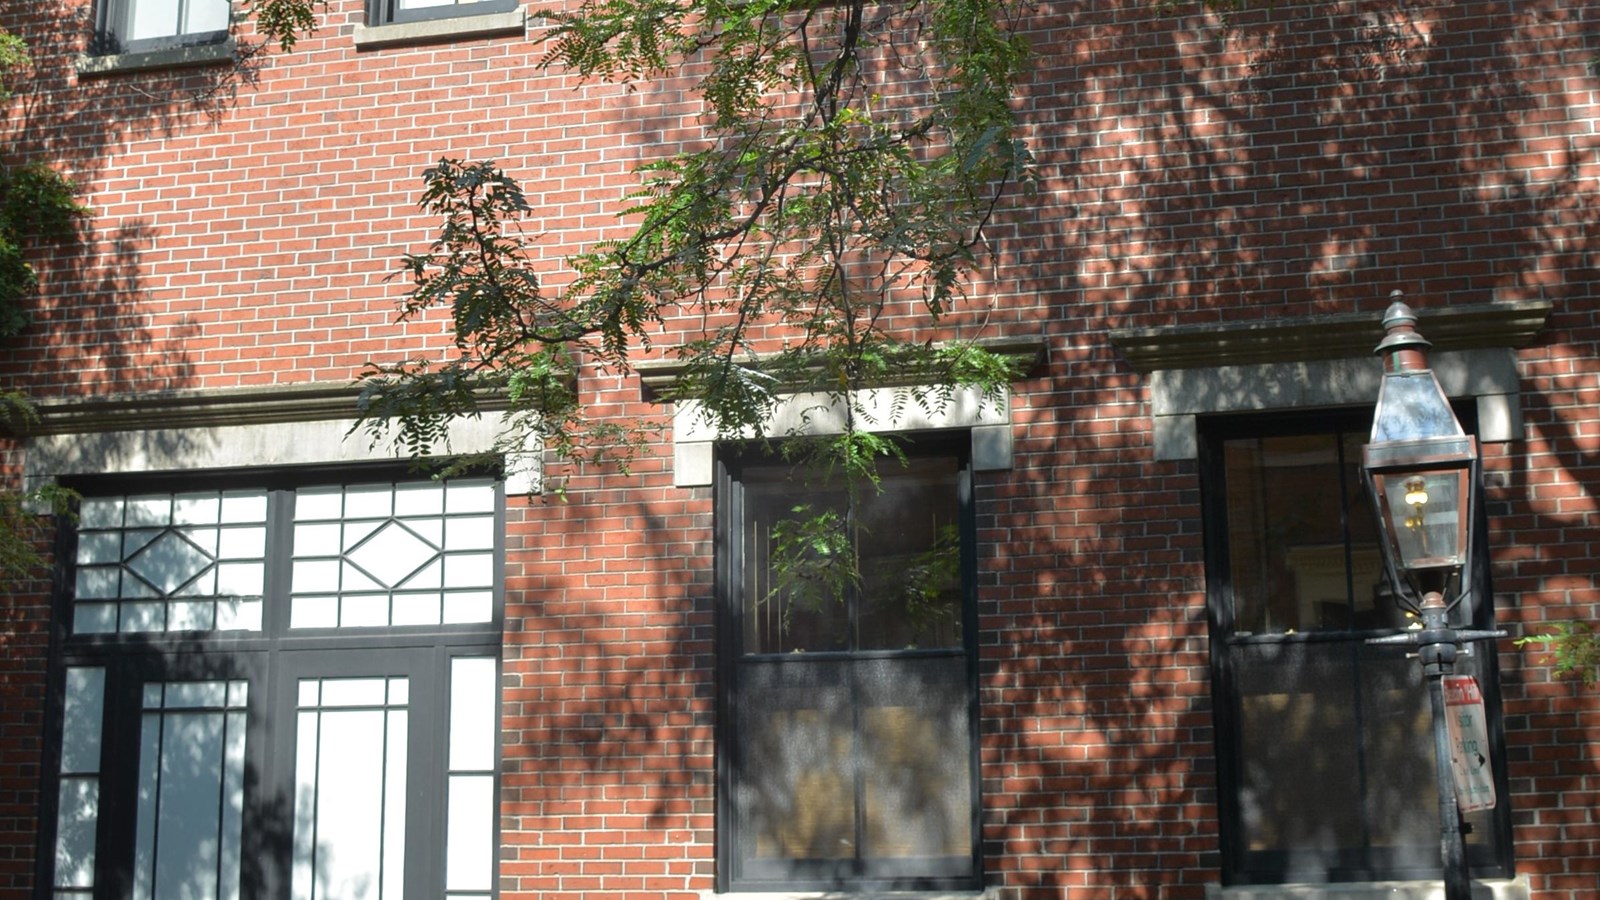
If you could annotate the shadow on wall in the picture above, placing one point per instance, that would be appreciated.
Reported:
(90, 301)
(1309, 158)
(1301, 159)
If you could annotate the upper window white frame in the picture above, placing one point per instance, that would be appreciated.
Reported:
(143, 26)
(396, 12)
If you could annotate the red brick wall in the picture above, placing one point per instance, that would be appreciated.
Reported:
(24, 646)
(1307, 161)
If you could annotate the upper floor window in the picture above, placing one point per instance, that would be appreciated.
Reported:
(847, 678)
(393, 12)
(136, 26)
(1324, 742)
(286, 690)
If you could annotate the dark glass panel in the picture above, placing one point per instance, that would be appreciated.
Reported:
(801, 583)
(796, 795)
(823, 743)
(917, 796)
(1292, 569)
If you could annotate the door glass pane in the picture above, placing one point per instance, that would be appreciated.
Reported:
(350, 797)
(191, 791)
(78, 801)
(469, 842)
(474, 727)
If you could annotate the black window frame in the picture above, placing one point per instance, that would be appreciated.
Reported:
(271, 660)
(1241, 866)
(733, 462)
(112, 22)
(388, 12)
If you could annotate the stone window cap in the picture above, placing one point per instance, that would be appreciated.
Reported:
(883, 409)
(1324, 362)
(284, 425)
(1342, 335)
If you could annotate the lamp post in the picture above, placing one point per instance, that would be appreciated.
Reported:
(1421, 471)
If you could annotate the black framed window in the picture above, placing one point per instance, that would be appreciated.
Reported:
(1324, 742)
(392, 12)
(136, 26)
(281, 691)
(847, 747)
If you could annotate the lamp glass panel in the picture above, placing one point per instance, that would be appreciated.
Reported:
(1412, 406)
(1424, 511)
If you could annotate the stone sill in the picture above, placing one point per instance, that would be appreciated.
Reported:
(373, 37)
(174, 58)
(1482, 889)
(987, 894)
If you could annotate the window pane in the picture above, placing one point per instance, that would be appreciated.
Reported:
(191, 791)
(796, 793)
(385, 550)
(350, 769)
(206, 15)
(1289, 503)
(917, 795)
(820, 741)
(828, 570)
(166, 546)
(911, 560)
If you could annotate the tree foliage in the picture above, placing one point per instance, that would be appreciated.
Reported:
(21, 530)
(1574, 650)
(37, 205)
(851, 156)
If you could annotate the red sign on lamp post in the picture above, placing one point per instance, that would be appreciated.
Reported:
(1469, 743)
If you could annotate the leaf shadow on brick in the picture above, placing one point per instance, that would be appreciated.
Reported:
(91, 292)
(1298, 160)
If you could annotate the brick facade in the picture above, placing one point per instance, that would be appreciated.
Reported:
(1302, 161)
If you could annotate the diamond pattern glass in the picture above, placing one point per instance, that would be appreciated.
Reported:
(372, 556)
(168, 562)
(165, 562)
(391, 554)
